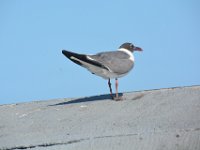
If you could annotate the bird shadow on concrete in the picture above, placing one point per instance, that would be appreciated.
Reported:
(137, 97)
(87, 99)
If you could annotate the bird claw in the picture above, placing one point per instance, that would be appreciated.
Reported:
(119, 98)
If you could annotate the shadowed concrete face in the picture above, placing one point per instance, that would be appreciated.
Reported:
(154, 119)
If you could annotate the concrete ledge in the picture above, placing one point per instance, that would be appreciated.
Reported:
(146, 120)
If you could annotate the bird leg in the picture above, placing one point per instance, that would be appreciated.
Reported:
(116, 86)
(117, 98)
(109, 84)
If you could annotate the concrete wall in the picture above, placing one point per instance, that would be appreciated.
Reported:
(164, 119)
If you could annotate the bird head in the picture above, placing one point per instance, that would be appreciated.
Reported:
(130, 47)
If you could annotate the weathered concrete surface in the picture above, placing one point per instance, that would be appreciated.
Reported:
(162, 119)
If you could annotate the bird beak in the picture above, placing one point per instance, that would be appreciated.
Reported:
(137, 49)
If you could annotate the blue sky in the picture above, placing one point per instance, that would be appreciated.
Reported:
(33, 33)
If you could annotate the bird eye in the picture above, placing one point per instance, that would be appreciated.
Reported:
(131, 46)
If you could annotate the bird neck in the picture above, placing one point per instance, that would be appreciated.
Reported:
(127, 52)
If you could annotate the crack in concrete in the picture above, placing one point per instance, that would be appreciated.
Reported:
(66, 143)
(111, 136)
(93, 138)
(44, 145)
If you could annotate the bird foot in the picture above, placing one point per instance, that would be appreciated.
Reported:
(118, 98)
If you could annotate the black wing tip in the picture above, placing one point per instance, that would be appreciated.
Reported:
(67, 53)
(82, 57)
(63, 51)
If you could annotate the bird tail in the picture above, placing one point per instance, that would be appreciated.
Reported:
(79, 58)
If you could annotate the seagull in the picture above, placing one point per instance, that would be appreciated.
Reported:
(108, 65)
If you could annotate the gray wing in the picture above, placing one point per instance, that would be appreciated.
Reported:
(116, 61)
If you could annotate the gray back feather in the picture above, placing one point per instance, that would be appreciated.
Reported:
(116, 61)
